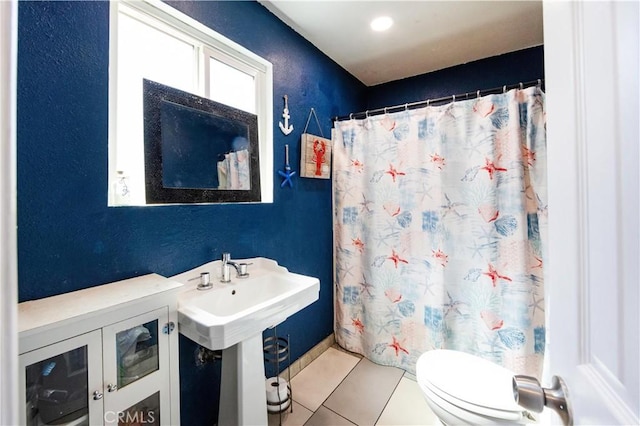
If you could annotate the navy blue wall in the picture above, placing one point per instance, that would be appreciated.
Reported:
(510, 68)
(69, 239)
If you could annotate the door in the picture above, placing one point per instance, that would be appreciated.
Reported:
(591, 61)
(62, 383)
(136, 370)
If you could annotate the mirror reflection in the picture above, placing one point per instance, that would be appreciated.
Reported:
(202, 150)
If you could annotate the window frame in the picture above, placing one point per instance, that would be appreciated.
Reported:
(207, 44)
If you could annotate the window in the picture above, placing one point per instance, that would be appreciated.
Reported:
(151, 40)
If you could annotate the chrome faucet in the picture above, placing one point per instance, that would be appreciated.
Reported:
(241, 268)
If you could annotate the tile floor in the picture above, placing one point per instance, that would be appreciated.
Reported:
(341, 388)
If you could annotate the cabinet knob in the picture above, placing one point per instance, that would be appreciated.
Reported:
(97, 395)
(112, 388)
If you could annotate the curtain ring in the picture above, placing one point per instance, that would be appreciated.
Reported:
(366, 114)
(454, 98)
(521, 86)
(385, 110)
(428, 102)
(478, 94)
(406, 107)
(504, 89)
(351, 116)
(539, 83)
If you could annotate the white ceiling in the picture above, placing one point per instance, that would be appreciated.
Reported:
(426, 35)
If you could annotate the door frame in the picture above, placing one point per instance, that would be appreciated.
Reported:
(8, 214)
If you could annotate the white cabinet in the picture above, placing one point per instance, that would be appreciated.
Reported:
(104, 355)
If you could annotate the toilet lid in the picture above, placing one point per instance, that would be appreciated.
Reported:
(472, 414)
(458, 376)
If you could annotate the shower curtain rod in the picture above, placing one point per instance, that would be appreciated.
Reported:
(451, 98)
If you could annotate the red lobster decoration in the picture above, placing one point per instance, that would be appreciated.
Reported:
(319, 150)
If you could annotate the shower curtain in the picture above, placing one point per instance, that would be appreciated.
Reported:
(439, 225)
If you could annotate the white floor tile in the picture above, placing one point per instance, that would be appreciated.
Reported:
(326, 417)
(315, 382)
(407, 406)
(299, 416)
(363, 394)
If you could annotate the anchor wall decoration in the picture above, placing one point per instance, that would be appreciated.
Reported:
(286, 127)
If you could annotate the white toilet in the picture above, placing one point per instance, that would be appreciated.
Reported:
(464, 389)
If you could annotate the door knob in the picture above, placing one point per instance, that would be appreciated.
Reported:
(529, 394)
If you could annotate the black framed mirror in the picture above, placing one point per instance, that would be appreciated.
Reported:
(197, 150)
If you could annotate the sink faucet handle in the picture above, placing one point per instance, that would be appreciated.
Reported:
(226, 257)
(242, 270)
(205, 281)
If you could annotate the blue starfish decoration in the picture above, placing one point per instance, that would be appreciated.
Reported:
(287, 174)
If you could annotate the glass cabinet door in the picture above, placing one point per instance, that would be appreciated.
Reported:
(145, 412)
(61, 383)
(137, 352)
(136, 366)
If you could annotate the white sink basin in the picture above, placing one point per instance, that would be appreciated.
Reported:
(232, 312)
(231, 317)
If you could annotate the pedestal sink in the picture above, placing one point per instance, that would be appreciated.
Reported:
(232, 316)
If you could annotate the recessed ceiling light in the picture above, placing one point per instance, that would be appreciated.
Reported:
(381, 23)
